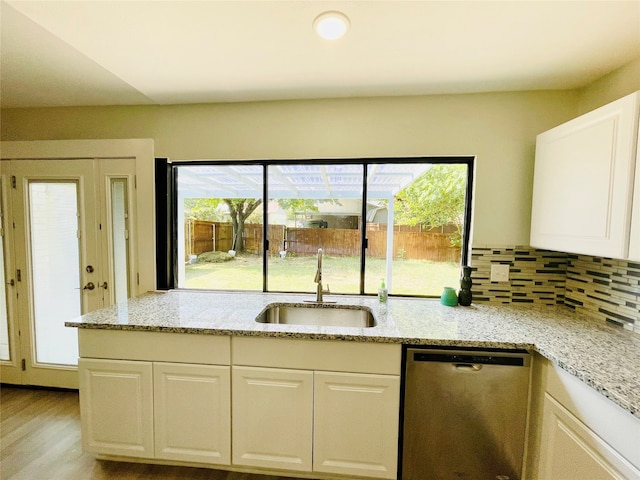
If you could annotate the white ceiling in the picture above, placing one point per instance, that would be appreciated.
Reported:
(58, 53)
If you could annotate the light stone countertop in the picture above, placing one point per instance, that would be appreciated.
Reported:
(606, 358)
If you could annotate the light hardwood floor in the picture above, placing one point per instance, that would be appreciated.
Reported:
(40, 440)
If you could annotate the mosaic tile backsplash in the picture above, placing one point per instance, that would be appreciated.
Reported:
(599, 287)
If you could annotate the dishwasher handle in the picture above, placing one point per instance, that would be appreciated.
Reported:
(468, 367)
(470, 358)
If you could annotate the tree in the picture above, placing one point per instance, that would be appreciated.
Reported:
(295, 206)
(435, 199)
(212, 210)
(240, 209)
(207, 209)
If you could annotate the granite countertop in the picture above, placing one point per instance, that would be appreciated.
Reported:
(604, 357)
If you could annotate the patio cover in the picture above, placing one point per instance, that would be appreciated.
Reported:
(308, 181)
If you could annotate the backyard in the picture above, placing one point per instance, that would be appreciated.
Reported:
(342, 274)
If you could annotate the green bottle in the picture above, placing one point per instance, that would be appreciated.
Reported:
(383, 293)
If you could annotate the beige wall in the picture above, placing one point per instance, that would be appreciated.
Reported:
(498, 128)
(616, 84)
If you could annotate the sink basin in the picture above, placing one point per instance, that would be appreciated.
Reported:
(324, 315)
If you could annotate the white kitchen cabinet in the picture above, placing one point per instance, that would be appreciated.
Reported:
(192, 412)
(335, 402)
(634, 240)
(272, 418)
(153, 395)
(582, 435)
(168, 398)
(571, 451)
(583, 188)
(356, 424)
(116, 405)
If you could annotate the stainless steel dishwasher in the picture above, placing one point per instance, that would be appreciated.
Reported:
(465, 413)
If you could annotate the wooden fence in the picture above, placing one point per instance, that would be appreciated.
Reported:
(253, 238)
(215, 236)
(201, 236)
(342, 242)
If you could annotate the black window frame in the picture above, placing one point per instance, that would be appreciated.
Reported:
(166, 198)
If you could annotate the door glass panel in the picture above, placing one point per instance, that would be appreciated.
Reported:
(4, 321)
(120, 238)
(312, 207)
(55, 259)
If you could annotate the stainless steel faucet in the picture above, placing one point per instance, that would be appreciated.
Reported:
(320, 291)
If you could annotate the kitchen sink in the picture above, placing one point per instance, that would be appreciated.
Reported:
(318, 314)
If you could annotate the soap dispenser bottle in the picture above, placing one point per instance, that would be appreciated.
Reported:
(383, 293)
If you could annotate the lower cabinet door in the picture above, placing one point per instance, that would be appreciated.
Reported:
(356, 420)
(116, 407)
(192, 413)
(272, 418)
(571, 451)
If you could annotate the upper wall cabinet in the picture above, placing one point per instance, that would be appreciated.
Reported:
(583, 188)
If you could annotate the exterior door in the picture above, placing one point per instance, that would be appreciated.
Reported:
(71, 249)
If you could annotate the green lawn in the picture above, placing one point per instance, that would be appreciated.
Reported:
(296, 274)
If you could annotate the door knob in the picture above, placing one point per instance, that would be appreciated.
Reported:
(89, 286)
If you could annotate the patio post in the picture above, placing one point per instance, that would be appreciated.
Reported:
(390, 220)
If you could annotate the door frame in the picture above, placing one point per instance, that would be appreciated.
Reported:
(142, 225)
(10, 370)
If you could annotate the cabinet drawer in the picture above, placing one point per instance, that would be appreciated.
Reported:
(335, 356)
(154, 346)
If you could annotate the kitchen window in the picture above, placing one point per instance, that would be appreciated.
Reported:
(258, 225)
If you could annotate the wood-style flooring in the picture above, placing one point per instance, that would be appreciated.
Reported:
(40, 440)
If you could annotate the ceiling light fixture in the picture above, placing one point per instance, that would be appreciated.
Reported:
(331, 25)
